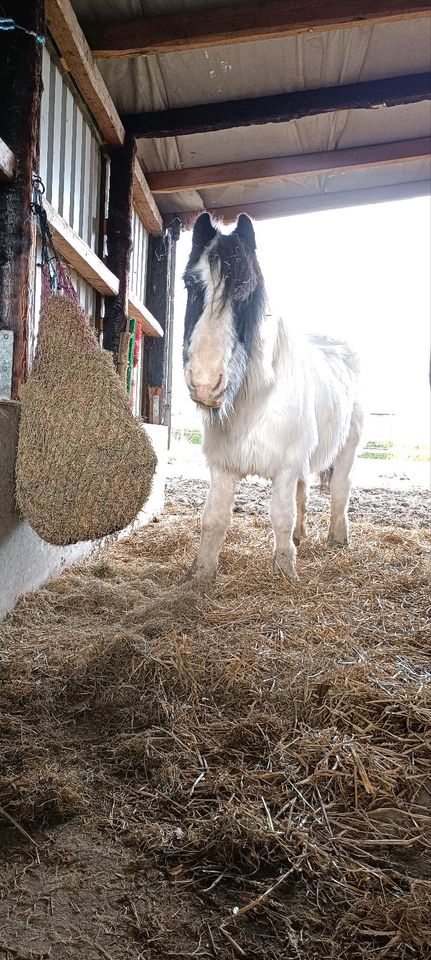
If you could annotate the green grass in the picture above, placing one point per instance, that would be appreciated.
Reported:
(386, 450)
(374, 449)
(192, 436)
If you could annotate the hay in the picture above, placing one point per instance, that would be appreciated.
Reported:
(84, 465)
(254, 760)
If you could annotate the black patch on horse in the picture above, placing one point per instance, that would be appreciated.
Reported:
(243, 286)
(240, 275)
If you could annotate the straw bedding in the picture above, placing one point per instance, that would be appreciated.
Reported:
(84, 465)
(239, 772)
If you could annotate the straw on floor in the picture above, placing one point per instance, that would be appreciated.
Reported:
(84, 465)
(243, 772)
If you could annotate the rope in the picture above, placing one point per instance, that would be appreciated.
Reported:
(6, 23)
(55, 276)
(170, 236)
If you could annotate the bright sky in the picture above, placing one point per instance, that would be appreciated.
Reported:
(361, 273)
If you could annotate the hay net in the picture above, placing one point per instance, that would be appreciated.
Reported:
(84, 464)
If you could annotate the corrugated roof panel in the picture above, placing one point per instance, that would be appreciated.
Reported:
(255, 69)
(268, 66)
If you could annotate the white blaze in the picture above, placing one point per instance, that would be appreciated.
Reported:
(211, 343)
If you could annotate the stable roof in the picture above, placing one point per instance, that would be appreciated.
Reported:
(363, 89)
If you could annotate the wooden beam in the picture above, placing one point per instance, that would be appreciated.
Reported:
(20, 95)
(79, 255)
(64, 28)
(150, 326)
(82, 258)
(144, 203)
(190, 29)
(280, 107)
(266, 209)
(158, 353)
(276, 168)
(79, 61)
(7, 162)
(119, 240)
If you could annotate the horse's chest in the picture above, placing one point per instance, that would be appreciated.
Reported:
(254, 444)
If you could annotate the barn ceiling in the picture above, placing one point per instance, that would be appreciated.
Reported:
(232, 71)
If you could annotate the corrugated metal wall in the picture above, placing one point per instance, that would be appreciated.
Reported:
(70, 158)
(138, 262)
(138, 278)
(70, 168)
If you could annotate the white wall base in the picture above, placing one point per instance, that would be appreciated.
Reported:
(26, 561)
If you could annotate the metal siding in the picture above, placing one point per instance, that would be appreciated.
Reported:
(70, 164)
(138, 261)
(70, 157)
(138, 276)
(70, 167)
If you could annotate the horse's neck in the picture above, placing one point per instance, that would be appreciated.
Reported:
(263, 362)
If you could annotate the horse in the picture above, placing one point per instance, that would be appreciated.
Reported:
(276, 403)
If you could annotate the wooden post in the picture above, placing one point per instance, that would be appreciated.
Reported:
(20, 94)
(158, 351)
(101, 240)
(119, 240)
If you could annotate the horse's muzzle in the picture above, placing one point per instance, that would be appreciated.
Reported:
(205, 394)
(206, 398)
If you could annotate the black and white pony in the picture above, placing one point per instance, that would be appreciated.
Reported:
(275, 404)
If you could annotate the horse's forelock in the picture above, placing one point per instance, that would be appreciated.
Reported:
(237, 267)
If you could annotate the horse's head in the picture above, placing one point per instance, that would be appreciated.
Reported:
(226, 300)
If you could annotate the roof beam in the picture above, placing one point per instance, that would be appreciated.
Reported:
(78, 60)
(7, 162)
(276, 168)
(190, 29)
(279, 108)
(285, 207)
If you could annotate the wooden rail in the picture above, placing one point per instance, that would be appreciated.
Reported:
(81, 258)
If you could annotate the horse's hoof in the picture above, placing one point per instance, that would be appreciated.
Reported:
(198, 575)
(334, 542)
(283, 566)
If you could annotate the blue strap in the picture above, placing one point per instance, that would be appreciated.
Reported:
(6, 23)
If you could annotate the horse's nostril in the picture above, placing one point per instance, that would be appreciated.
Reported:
(219, 394)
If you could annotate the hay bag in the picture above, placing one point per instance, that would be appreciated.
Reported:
(84, 464)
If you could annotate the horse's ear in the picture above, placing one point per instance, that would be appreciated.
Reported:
(245, 230)
(203, 231)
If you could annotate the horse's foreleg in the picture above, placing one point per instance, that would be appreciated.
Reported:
(341, 482)
(283, 513)
(215, 521)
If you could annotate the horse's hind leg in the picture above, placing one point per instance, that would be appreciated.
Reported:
(301, 509)
(341, 482)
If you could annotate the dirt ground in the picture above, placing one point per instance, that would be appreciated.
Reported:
(405, 508)
(243, 771)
